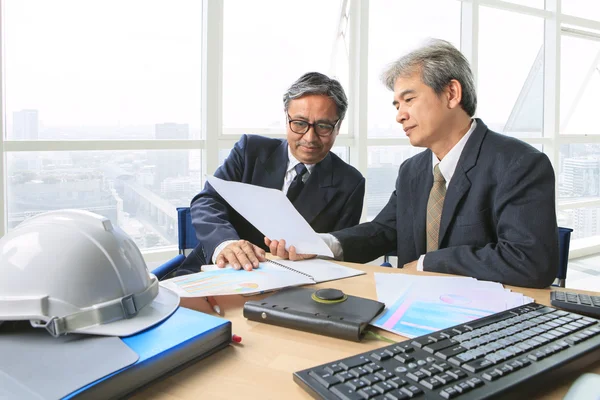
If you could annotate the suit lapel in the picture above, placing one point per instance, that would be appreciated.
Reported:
(460, 184)
(420, 186)
(318, 190)
(271, 170)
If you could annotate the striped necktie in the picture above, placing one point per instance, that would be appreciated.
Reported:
(434, 209)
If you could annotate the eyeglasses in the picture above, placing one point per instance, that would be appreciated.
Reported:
(321, 128)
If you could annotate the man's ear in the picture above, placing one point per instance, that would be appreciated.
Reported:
(454, 93)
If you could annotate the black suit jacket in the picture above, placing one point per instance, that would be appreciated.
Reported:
(498, 220)
(332, 197)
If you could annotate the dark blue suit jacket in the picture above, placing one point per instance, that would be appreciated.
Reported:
(332, 197)
(498, 220)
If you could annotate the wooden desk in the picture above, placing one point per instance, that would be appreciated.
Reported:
(263, 364)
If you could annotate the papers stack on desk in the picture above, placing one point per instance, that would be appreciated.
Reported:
(417, 305)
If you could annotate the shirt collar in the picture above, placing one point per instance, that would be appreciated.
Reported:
(293, 162)
(450, 161)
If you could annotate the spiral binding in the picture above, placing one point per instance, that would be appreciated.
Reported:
(292, 269)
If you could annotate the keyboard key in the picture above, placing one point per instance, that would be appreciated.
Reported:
(345, 393)
(478, 365)
(442, 366)
(429, 371)
(372, 367)
(450, 352)
(384, 374)
(404, 358)
(442, 344)
(396, 395)
(356, 384)
(412, 391)
(371, 379)
(396, 382)
(449, 393)
(383, 387)
(381, 355)
(350, 363)
(324, 378)
(416, 375)
(445, 378)
(491, 375)
(422, 341)
(457, 373)
(403, 348)
(344, 376)
(368, 392)
(359, 371)
(431, 383)
(474, 382)
(462, 387)
(333, 368)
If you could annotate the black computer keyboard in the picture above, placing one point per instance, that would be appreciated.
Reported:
(514, 351)
(576, 302)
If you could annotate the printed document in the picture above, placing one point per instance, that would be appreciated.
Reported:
(270, 211)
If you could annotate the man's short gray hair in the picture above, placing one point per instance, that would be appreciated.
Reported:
(317, 83)
(439, 62)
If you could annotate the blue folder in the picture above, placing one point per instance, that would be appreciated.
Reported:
(184, 337)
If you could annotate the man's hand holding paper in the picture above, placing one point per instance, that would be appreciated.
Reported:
(278, 248)
(271, 212)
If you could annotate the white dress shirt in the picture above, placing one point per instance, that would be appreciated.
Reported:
(290, 174)
(447, 168)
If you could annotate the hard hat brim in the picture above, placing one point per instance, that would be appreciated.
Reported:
(163, 305)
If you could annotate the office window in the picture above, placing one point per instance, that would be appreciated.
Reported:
(580, 85)
(589, 9)
(382, 171)
(585, 223)
(395, 27)
(79, 70)
(528, 3)
(265, 53)
(579, 172)
(511, 72)
(138, 190)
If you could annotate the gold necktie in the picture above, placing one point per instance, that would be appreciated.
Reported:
(434, 209)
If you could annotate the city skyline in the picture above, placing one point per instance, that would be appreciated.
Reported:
(141, 189)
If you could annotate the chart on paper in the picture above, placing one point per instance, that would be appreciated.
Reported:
(230, 281)
(419, 305)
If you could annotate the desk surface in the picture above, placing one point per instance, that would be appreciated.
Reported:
(263, 364)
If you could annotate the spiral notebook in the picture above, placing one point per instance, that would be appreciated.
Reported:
(270, 275)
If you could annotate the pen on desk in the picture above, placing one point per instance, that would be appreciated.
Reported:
(213, 303)
(236, 339)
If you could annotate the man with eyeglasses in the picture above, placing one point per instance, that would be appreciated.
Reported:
(474, 203)
(325, 190)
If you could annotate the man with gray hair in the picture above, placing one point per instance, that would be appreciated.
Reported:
(325, 190)
(475, 203)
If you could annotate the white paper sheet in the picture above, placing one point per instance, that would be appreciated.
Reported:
(270, 211)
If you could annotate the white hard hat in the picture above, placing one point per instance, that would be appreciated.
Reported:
(73, 271)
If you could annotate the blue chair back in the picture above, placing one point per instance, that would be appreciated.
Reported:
(187, 241)
(564, 240)
(186, 233)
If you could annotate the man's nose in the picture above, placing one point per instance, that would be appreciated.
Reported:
(310, 135)
(401, 116)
